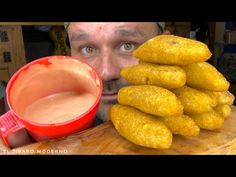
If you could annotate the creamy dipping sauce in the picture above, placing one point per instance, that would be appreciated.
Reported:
(59, 107)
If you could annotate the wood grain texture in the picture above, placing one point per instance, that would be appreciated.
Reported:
(104, 139)
(14, 45)
(4, 150)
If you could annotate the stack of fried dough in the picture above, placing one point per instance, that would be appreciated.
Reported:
(173, 90)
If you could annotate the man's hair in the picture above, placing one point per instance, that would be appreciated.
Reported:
(66, 24)
(161, 26)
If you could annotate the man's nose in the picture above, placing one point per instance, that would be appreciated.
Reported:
(109, 67)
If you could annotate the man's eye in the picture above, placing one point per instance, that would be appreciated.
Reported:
(87, 50)
(127, 47)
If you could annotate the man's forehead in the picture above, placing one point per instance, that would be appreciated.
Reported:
(111, 25)
(98, 32)
(118, 28)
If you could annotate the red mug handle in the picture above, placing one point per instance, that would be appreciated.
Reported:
(9, 125)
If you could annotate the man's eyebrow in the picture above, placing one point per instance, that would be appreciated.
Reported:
(128, 32)
(79, 35)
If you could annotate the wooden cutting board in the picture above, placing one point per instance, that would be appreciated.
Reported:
(104, 139)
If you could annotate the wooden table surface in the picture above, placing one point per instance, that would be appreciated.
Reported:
(104, 139)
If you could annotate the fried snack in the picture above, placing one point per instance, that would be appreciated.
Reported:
(203, 75)
(140, 128)
(151, 99)
(181, 125)
(194, 101)
(169, 77)
(210, 120)
(223, 109)
(220, 97)
(172, 50)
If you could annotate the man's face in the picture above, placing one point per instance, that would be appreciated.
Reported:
(108, 47)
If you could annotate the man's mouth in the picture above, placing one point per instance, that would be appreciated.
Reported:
(109, 96)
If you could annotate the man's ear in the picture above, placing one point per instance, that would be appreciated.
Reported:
(67, 41)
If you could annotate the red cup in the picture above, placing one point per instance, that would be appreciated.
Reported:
(61, 74)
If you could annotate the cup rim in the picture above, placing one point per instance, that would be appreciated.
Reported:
(80, 117)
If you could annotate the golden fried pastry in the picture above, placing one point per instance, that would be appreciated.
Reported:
(151, 99)
(220, 97)
(203, 75)
(151, 74)
(193, 100)
(181, 125)
(210, 120)
(172, 50)
(140, 128)
(223, 109)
